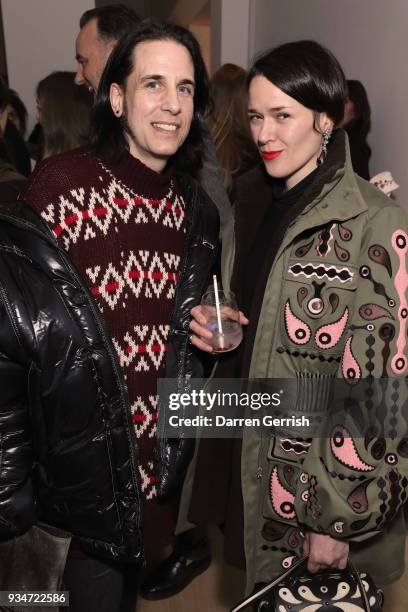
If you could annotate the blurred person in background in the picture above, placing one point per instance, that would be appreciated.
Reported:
(13, 140)
(8, 171)
(357, 123)
(17, 112)
(228, 123)
(100, 30)
(63, 111)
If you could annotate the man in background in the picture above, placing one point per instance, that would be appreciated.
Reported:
(100, 30)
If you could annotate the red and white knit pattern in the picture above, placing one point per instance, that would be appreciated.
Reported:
(128, 243)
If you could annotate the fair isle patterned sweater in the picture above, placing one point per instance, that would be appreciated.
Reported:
(124, 229)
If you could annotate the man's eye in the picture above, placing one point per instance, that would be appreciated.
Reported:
(186, 90)
(152, 85)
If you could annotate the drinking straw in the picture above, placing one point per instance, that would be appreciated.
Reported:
(217, 308)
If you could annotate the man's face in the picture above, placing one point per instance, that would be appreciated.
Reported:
(158, 101)
(92, 53)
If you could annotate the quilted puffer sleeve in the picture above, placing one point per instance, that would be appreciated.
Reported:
(17, 503)
(352, 486)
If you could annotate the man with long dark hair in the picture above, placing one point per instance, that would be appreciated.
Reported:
(100, 30)
(98, 295)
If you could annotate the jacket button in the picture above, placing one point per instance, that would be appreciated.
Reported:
(79, 299)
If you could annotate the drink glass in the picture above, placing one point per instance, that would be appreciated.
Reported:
(230, 335)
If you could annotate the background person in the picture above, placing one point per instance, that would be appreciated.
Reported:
(17, 112)
(357, 123)
(63, 112)
(228, 123)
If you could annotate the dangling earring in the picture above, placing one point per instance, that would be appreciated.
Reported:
(325, 141)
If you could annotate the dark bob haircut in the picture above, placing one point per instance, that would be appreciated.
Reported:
(108, 133)
(307, 72)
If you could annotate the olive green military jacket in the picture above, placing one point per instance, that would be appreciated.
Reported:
(334, 307)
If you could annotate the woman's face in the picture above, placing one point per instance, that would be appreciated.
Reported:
(284, 131)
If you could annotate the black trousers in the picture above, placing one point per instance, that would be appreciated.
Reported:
(99, 586)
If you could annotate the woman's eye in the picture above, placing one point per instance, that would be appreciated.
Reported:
(254, 118)
(282, 116)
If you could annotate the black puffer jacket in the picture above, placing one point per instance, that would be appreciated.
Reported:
(67, 448)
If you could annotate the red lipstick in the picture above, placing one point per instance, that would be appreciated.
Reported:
(271, 154)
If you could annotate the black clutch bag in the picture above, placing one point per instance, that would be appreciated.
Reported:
(297, 590)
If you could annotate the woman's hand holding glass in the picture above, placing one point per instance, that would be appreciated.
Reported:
(205, 330)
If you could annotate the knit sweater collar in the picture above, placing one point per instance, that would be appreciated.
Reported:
(139, 177)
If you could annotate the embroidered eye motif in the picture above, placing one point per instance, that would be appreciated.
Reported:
(339, 526)
(305, 496)
(315, 306)
(328, 336)
(391, 459)
(298, 331)
(304, 478)
(344, 450)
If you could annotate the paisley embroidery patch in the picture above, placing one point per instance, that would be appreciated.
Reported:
(328, 336)
(298, 331)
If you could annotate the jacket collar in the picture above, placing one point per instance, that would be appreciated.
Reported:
(23, 215)
(333, 195)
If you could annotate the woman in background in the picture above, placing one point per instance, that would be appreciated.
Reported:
(63, 112)
(357, 123)
(228, 123)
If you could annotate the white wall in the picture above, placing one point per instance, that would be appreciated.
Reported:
(369, 37)
(231, 28)
(39, 38)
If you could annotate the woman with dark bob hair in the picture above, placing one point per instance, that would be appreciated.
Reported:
(316, 257)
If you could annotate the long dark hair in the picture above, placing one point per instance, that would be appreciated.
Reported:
(107, 135)
(307, 72)
(228, 122)
(65, 111)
